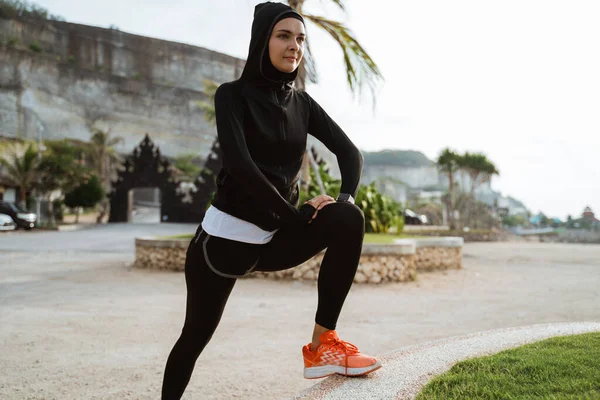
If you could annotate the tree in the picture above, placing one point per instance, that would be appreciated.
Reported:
(479, 169)
(185, 165)
(361, 70)
(20, 164)
(448, 163)
(17, 8)
(104, 159)
(210, 88)
(381, 211)
(514, 220)
(543, 220)
(570, 222)
(205, 180)
(88, 194)
(61, 168)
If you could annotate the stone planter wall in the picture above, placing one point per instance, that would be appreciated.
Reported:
(160, 254)
(437, 258)
(379, 263)
(579, 236)
(472, 236)
(439, 253)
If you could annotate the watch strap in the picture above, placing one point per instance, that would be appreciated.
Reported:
(345, 198)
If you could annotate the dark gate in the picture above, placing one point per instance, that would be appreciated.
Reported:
(146, 167)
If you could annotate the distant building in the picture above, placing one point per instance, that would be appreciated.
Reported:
(8, 192)
(588, 215)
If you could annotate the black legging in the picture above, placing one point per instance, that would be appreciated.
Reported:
(210, 277)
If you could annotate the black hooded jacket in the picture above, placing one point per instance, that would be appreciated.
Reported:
(262, 125)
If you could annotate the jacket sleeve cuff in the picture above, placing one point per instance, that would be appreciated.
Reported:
(306, 212)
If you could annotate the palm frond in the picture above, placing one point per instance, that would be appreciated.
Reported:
(209, 111)
(103, 156)
(296, 5)
(10, 170)
(360, 68)
(113, 141)
(309, 64)
(210, 88)
(448, 161)
(339, 3)
(20, 165)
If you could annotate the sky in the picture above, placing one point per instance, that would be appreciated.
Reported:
(518, 80)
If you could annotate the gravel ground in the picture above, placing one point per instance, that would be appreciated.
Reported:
(78, 325)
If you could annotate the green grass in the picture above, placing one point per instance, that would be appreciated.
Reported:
(372, 238)
(451, 233)
(565, 367)
(182, 236)
(383, 238)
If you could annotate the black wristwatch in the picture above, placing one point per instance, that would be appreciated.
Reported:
(345, 198)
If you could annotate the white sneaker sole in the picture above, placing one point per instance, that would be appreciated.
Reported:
(326, 370)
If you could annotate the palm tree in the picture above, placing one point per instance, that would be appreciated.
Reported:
(210, 88)
(20, 168)
(479, 169)
(360, 68)
(448, 163)
(104, 159)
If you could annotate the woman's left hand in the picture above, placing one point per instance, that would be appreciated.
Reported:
(319, 202)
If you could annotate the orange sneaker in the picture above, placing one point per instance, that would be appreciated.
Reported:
(334, 356)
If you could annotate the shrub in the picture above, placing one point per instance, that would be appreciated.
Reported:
(381, 211)
(35, 46)
(332, 186)
(87, 194)
(16, 8)
(59, 210)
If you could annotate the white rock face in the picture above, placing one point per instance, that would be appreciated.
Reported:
(89, 76)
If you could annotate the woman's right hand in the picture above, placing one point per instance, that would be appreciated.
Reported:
(318, 203)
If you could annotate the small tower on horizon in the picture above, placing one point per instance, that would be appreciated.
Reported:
(589, 215)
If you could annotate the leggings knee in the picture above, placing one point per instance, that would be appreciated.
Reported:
(347, 217)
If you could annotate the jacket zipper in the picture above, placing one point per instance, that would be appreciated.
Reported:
(281, 129)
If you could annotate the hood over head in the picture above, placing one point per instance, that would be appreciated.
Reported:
(258, 64)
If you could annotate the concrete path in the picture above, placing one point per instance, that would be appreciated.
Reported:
(107, 238)
(77, 322)
(407, 370)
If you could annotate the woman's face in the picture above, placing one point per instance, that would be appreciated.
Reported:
(286, 45)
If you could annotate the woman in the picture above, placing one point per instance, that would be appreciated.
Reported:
(253, 224)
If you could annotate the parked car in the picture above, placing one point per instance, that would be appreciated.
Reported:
(7, 223)
(22, 217)
(412, 218)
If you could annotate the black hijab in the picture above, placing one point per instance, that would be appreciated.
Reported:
(259, 68)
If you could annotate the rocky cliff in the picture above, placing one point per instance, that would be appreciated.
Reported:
(59, 79)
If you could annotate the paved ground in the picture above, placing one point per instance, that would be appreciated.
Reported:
(76, 322)
(109, 238)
